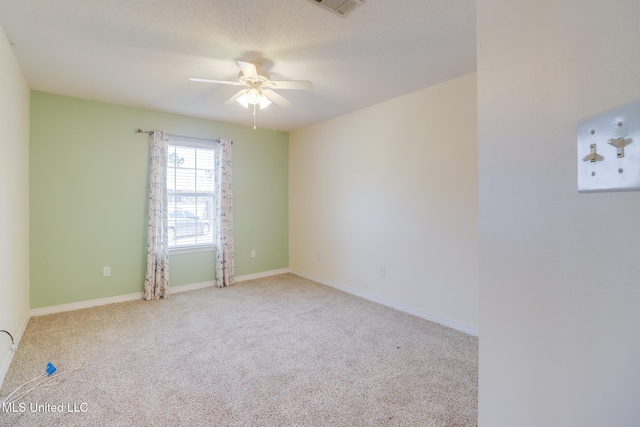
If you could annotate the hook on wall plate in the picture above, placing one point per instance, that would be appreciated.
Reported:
(593, 155)
(620, 143)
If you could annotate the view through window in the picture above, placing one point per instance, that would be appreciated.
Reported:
(190, 194)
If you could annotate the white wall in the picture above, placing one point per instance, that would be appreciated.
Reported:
(559, 270)
(14, 201)
(392, 185)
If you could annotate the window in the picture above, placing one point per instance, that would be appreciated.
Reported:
(190, 193)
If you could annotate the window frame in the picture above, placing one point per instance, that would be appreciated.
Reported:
(209, 144)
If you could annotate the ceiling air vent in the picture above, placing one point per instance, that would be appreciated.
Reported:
(341, 7)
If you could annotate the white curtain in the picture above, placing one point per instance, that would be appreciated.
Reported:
(156, 283)
(223, 220)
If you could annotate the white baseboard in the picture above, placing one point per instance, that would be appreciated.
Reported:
(191, 287)
(85, 304)
(112, 300)
(139, 295)
(261, 275)
(454, 324)
(7, 360)
(212, 283)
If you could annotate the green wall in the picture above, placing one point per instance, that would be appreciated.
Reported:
(88, 187)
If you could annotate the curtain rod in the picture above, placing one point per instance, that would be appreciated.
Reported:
(150, 132)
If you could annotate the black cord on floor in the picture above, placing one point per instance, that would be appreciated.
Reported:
(7, 332)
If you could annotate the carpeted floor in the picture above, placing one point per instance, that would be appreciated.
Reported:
(279, 351)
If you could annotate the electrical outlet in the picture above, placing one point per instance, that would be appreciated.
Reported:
(253, 253)
(381, 271)
(14, 347)
(106, 271)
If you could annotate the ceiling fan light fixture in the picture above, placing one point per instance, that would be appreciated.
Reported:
(254, 95)
(264, 102)
(244, 100)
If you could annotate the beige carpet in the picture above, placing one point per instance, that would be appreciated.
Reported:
(280, 351)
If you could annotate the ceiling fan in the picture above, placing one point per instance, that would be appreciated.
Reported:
(260, 87)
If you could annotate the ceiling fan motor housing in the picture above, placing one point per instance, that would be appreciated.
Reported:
(260, 79)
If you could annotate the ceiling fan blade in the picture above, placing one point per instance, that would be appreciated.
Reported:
(235, 97)
(276, 97)
(291, 84)
(248, 69)
(223, 82)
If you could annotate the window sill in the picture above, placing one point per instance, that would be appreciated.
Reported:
(191, 250)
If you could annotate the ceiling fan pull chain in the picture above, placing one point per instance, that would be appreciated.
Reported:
(254, 116)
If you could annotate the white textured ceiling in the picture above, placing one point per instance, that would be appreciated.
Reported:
(142, 52)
